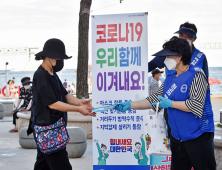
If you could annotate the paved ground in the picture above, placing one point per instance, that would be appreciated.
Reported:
(13, 157)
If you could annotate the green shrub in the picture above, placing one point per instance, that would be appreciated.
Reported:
(219, 125)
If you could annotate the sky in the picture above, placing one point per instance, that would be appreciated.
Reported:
(29, 23)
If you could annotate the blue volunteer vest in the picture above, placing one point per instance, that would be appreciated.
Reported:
(196, 61)
(186, 125)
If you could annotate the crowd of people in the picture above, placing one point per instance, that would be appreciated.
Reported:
(70, 89)
(184, 95)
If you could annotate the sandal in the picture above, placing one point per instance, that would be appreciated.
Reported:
(13, 131)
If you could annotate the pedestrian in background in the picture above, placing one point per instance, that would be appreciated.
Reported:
(187, 31)
(69, 90)
(8, 88)
(13, 90)
(73, 87)
(65, 84)
(154, 83)
(13, 79)
(26, 96)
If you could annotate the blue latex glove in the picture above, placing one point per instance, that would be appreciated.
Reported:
(122, 107)
(165, 103)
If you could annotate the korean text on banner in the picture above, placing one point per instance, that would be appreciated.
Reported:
(119, 67)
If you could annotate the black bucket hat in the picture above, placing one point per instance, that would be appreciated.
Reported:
(53, 48)
(26, 80)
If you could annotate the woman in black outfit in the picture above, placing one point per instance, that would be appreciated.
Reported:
(51, 102)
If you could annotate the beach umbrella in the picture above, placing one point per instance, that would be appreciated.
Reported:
(213, 81)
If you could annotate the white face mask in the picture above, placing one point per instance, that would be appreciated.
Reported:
(27, 87)
(170, 63)
(190, 42)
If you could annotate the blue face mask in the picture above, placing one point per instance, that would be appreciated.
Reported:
(160, 77)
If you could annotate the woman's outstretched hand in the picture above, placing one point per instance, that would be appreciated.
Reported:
(122, 107)
(85, 103)
(85, 110)
(165, 103)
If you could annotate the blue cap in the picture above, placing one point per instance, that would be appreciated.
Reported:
(188, 31)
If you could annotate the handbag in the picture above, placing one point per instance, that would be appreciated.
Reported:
(157, 140)
(52, 138)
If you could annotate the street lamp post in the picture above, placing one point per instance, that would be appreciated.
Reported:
(6, 72)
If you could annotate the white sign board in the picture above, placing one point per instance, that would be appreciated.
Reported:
(119, 74)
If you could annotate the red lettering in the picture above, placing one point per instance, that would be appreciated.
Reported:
(132, 32)
(169, 167)
(112, 32)
(119, 142)
(129, 141)
(103, 32)
(121, 38)
(139, 33)
(127, 32)
(168, 159)
(123, 141)
(163, 167)
(157, 167)
(113, 141)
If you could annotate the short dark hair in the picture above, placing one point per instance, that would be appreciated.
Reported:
(181, 46)
(102, 145)
(189, 25)
(137, 143)
(154, 72)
